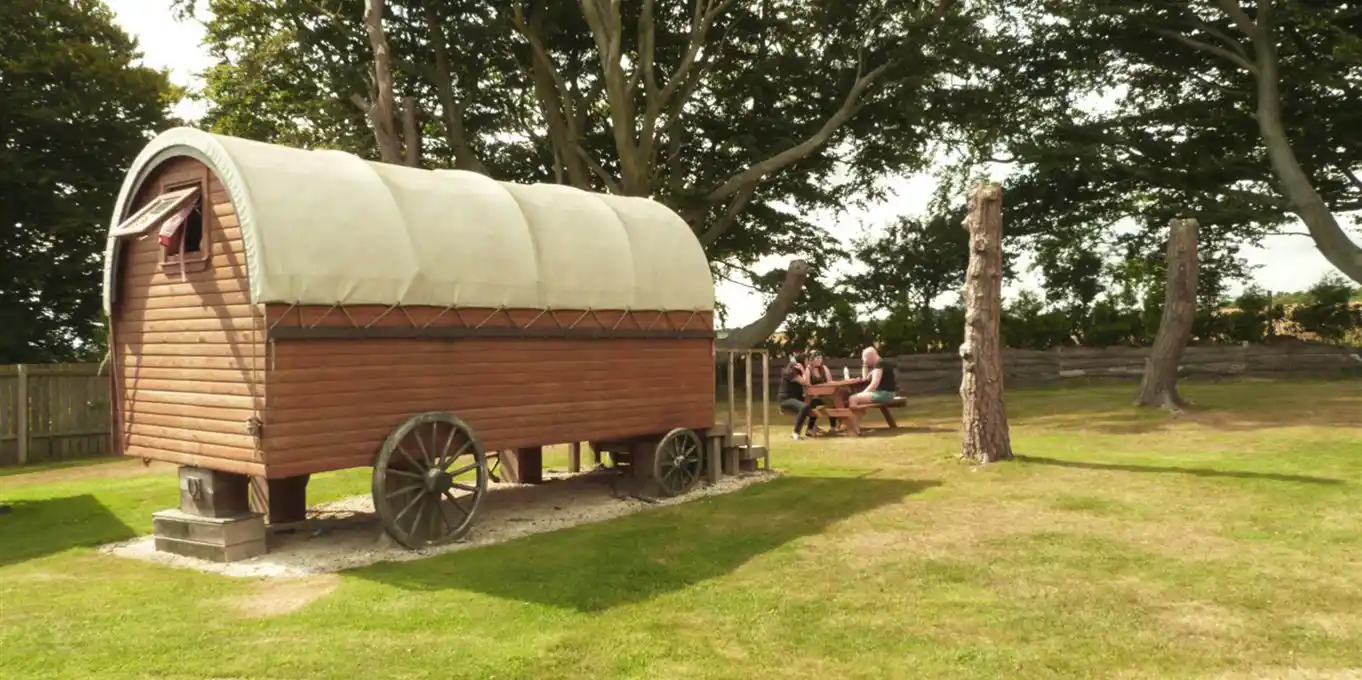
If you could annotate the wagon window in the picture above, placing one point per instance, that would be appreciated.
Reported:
(182, 231)
(154, 212)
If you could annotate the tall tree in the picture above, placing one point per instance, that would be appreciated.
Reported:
(984, 415)
(1236, 114)
(1159, 386)
(741, 116)
(75, 108)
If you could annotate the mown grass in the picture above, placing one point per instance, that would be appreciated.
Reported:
(1121, 544)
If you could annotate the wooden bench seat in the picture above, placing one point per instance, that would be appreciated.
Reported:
(851, 415)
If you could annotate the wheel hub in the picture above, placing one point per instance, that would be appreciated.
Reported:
(438, 481)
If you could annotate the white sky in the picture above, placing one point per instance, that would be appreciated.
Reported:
(1287, 263)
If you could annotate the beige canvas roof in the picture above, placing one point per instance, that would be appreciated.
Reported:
(327, 227)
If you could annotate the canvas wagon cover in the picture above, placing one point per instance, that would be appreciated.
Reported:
(327, 227)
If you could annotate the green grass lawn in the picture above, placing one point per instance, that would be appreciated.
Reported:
(1122, 544)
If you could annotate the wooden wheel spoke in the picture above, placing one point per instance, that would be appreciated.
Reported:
(467, 468)
(425, 455)
(407, 454)
(464, 487)
(440, 513)
(403, 473)
(455, 502)
(420, 512)
(442, 461)
(406, 509)
(403, 490)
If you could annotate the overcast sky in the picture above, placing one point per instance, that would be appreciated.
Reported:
(1286, 263)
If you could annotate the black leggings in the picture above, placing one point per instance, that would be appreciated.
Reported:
(804, 412)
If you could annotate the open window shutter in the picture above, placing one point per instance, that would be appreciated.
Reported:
(154, 212)
(171, 235)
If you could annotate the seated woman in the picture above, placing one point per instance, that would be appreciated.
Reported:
(793, 380)
(818, 373)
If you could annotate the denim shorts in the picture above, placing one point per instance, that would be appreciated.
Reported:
(882, 397)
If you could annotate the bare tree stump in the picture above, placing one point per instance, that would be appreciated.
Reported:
(986, 435)
(1159, 386)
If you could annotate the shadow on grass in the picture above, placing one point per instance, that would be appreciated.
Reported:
(1195, 472)
(37, 528)
(596, 567)
(882, 431)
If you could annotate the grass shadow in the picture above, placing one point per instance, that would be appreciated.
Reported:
(37, 528)
(882, 431)
(1195, 472)
(596, 567)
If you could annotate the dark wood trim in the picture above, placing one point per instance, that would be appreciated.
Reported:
(458, 333)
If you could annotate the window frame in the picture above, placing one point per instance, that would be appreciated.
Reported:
(192, 261)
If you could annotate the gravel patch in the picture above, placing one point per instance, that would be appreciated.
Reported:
(346, 534)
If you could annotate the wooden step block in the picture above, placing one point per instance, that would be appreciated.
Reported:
(210, 552)
(737, 439)
(219, 539)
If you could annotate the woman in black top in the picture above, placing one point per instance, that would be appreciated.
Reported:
(818, 373)
(793, 380)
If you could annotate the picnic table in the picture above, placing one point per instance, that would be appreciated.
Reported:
(839, 392)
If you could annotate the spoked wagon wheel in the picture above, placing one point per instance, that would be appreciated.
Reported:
(676, 467)
(429, 478)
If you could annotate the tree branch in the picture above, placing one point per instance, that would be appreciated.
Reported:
(1221, 52)
(850, 106)
(610, 184)
(603, 16)
(1240, 18)
(411, 133)
(1352, 177)
(680, 81)
(1226, 39)
(730, 216)
(456, 137)
(556, 102)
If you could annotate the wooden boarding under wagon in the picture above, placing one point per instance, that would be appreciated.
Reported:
(277, 312)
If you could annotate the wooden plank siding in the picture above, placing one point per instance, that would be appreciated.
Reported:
(333, 402)
(193, 366)
(188, 349)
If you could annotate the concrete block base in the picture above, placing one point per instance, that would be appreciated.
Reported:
(218, 539)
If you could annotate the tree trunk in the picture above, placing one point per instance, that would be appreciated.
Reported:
(986, 435)
(379, 111)
(758, 331)
(1159, 387)
(411, 133)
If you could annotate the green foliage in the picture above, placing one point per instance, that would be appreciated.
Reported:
(1117, 123)
(74, 109)
(766, 126)
(1328, 312)
(1029, 323)
(912, 263)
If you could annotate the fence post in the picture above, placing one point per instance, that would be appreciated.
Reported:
(21, 414)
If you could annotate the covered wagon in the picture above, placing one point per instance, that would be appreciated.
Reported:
(277, 312)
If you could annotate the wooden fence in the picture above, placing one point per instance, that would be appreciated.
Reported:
(940, 373)
(53, 412)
